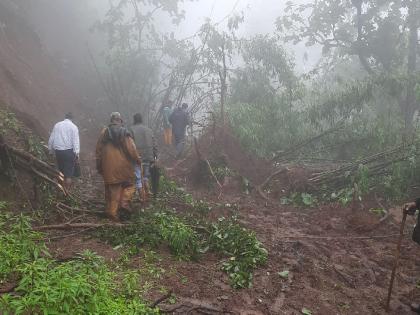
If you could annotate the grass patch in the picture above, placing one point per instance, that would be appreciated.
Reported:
(19, 245)
(84, 285)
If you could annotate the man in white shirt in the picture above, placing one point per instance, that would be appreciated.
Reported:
(64, 142)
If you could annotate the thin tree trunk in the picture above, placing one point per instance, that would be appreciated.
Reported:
(223, 88)
(410, 104)
(362, 58)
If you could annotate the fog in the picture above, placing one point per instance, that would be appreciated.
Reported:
(259, 18)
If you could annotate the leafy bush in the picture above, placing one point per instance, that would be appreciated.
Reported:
(243, 248)
(153, 229)
(181, 238)
(82, 286)
(19, 244)
(188, 234)
(300, 200)
(142, 231)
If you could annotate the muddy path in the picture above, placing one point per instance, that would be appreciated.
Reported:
(326, 259)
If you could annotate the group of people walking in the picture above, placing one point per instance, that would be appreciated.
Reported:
(125, 157)
(175, 123)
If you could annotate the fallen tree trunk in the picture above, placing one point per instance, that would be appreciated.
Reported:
(376, 165)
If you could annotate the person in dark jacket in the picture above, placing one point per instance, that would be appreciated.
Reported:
(410, 208)
(179, 120)
(146, 145)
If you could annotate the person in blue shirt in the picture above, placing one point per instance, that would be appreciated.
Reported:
(179, 119)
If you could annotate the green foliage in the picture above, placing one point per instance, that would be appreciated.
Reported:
(189, 234)
(35, 147)
(306, 311)
(242, 247)
(284, 274)
(19, 244)
(181, 238)
(300, 200)
(344, 196)
(82, 286)
(152, 229)
(169, 190)
(136, 47)
(378, 211)
(140, 281)
(333, 25)
(362, 180)
(3, 205)
(223, 171)
(9, 121)
(266, 128)
(142, 231)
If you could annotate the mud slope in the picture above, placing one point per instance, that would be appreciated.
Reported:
(29, 81)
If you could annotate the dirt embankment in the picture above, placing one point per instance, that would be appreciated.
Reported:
(30, 83)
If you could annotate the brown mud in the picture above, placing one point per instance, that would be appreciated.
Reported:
(339, 258)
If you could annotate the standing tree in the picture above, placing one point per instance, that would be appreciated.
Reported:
(381, 33)
(138, 57)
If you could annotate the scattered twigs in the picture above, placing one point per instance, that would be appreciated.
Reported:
(74, 209)
(5, 151)
(9, 289)
(77, 198)
(347, 278)
(203, 160)
(32, 164)
(315, 237)
(53, 238)
(161, 299)
(212, 174)
(69, 226)
(76, 218)
(377, 164)
(387, 213)
(193, 309)
(260, 188)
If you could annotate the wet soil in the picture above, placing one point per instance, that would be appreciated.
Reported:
(335, 266)
(339, 258)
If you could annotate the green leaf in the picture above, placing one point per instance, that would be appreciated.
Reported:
(305, 311)
(307, 199)
(284, 274)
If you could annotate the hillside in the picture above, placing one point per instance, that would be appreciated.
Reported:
(31, 83)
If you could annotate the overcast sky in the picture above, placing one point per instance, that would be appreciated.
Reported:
(260, 17)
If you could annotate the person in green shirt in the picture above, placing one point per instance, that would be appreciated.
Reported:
(146, 146)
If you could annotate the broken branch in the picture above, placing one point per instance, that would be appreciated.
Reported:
(68, 226)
